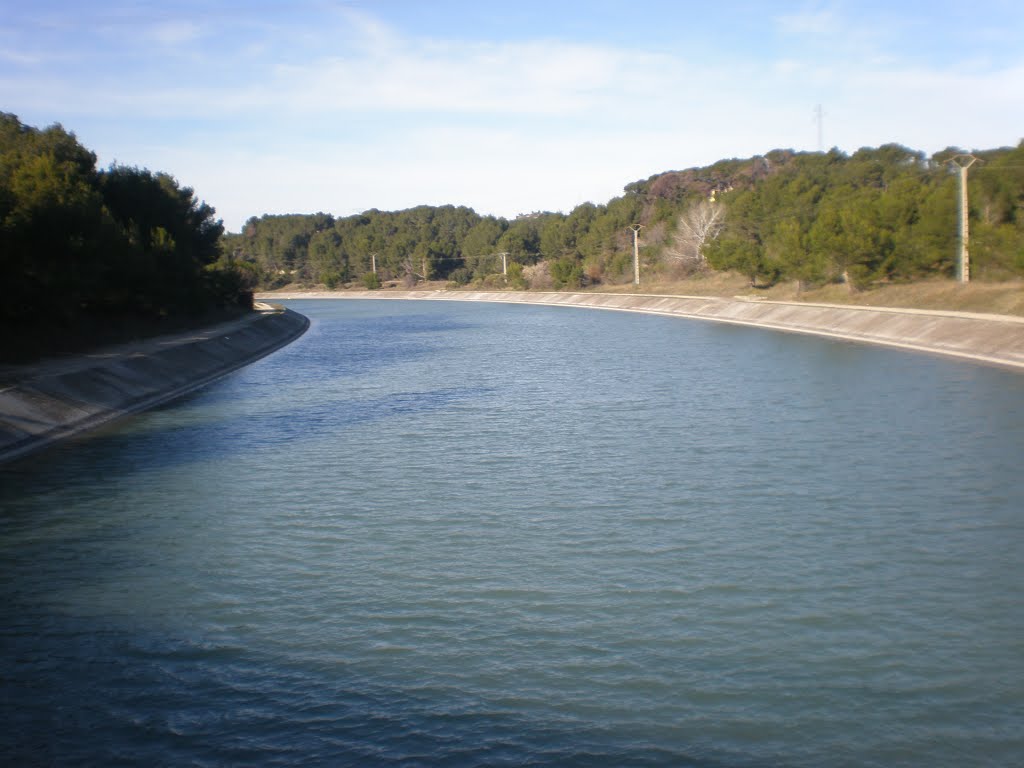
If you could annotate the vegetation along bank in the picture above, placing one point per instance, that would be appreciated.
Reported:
(90, 255)
(93, 255)
(881, 216)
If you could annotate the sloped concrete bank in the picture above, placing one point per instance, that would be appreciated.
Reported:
(40, 404)
(990, 339)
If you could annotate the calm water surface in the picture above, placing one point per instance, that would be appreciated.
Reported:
(464, 534)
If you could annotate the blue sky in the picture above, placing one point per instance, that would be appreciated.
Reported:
(320, 105)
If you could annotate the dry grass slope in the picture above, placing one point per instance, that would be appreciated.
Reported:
(1004, 298)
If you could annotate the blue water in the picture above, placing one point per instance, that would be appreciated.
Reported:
(463, 534)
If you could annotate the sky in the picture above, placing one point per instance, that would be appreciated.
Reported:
(507, 107)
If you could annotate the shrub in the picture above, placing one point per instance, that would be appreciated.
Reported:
(461, 276)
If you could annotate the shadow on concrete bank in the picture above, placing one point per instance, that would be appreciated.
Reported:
(40, 404)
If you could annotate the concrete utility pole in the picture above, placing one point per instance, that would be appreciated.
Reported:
(636, 252)
(963, 162)
(373, 262)
(504, 263)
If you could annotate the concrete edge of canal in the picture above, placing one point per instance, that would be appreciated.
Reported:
(44, 403)
(57, 399)
(982, 338)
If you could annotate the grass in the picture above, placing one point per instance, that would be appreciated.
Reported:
(998, 298)
(1002, 298)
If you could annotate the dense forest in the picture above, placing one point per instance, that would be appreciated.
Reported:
(85, 250)
(879, 215)
(87, 253)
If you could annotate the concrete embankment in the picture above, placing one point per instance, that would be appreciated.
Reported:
(990, 339)
(55, 399)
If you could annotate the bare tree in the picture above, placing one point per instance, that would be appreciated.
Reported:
(408, 272)
(697, 225)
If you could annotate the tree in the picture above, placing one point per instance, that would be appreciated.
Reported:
(522, 238)
(566, 272)
(81, 248)
(786, 250)
(480, 244)
(745, 256)
(516, 278)
(878, 214)
(699, 224)
(846, 236)
(327, 263)
(173, 235)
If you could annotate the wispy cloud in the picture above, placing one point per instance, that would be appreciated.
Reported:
(376, 70)
(23, 58)
(531, 77)
(174, 33)
(332, 107)
(814, 22)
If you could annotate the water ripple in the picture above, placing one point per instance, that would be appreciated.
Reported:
(454, 535)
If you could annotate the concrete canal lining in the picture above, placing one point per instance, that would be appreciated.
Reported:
(982, 338)
(55, 399)
(43, 403)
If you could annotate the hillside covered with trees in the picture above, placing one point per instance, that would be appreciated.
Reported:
(876, 216)
(86, 251)
(90, 254)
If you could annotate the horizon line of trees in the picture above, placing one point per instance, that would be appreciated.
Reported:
(878, 215)
(83, 248)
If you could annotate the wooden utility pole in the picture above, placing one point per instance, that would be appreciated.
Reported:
(636, 252)
(963, 162)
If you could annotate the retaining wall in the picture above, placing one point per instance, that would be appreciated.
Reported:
(56, 399)
(991, 339)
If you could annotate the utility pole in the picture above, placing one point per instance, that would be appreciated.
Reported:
(636, 252)
(373, 262)
(504, 263)
(963, 162)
